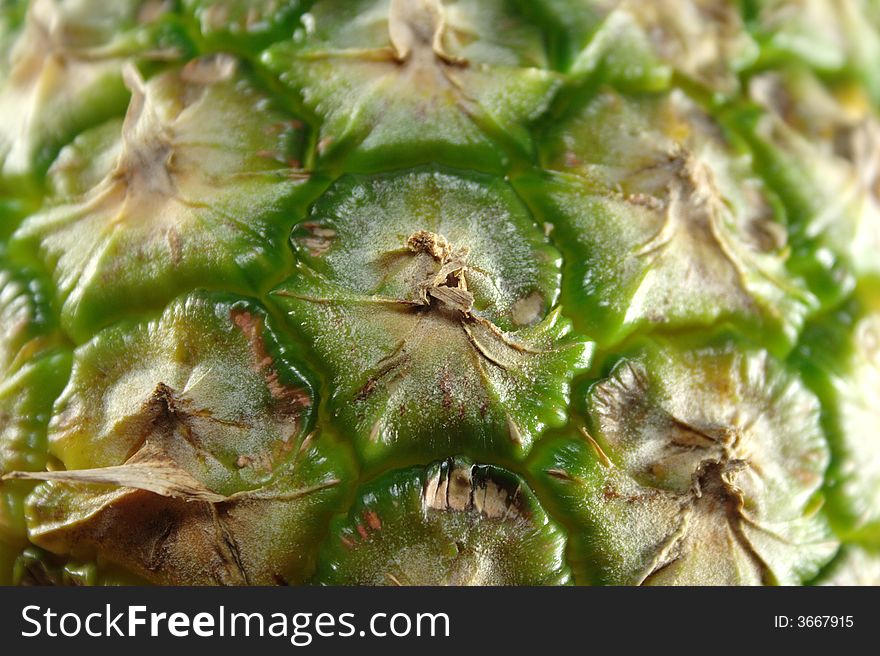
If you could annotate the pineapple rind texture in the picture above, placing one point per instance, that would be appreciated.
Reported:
(452, 523)
(436, 335)
(840, 358)
(665, 222)
(699, 464)
(439, 292)
(251, 443)
(163, 218)
(409, 81)
(34, 362)
(62, 70)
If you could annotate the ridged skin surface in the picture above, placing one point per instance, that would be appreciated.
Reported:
(421, 292)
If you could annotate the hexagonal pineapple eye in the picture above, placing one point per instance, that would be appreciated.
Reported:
(198, 187)
(699, 466)
(428, 297)
(179, 436)
(452, 523)
(418, 80)
(664, 222)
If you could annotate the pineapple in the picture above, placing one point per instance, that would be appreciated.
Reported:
(420, 292)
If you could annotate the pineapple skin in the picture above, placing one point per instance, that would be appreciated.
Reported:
(422, 292)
